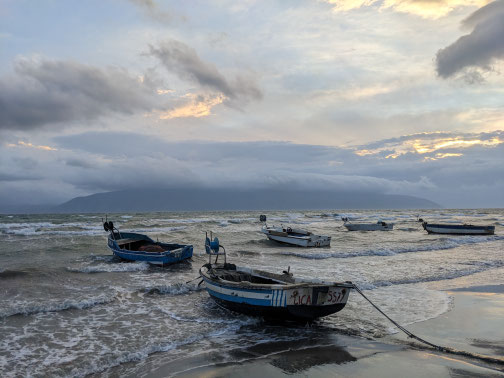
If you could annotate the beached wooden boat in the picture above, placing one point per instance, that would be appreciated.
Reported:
(294, 236)
(276, 296)
(139, 247)
(458, 229)
(378, 226)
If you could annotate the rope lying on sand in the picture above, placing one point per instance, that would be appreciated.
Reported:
(481, 357)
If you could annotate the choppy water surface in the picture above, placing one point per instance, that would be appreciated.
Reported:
(67, 307)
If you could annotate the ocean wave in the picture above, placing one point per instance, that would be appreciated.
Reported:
(158, 229)
(479, 267)
(111, 268)
(448, 243)
(49, 228)
(175, 289)
(31, 309)
(142, 353)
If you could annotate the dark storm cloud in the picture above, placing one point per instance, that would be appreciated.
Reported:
(46, 92)
(479, 48)
(183, 60)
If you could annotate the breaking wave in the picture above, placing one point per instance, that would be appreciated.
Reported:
(175, 289)
(448, 243)
(478, 267)
(110, 268)
(31, 309)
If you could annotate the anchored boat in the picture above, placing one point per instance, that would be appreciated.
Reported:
(277, 296)
(294, 236)
(138, 247)
(378, 226)
(458, 229)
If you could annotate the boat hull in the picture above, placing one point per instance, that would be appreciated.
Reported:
(174, 253)
(154, 258)
(295, 302)
(459, 229)
(368, 227)
(297, 239)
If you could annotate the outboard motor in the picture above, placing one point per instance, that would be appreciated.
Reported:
(108, 226)
(212, 248)
(262, 218)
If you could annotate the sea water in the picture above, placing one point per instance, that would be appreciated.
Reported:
(69, 308)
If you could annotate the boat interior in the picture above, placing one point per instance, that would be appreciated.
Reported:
(264, 278)
(132, 242)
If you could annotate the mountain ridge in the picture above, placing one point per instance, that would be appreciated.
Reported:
(189, 199)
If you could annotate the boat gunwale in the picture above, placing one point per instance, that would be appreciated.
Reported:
(179, 247)
(244, 285)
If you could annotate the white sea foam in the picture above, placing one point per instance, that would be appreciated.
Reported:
(30, 308)
(174, 289)
(448, 243)
(118, 267)
(98, 365)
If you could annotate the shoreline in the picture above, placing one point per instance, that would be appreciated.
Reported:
(479, 306)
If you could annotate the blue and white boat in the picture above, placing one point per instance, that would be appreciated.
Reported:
(277, 296)
(458, 229)
(139, 247)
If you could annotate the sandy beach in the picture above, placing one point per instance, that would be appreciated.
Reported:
(474, 324)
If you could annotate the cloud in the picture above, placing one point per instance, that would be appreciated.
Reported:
(478, 49)
(429, 165)
(183, 60)
(197, 106)
(428, 144)
(43, 92)
(152, 10)
(422, 8)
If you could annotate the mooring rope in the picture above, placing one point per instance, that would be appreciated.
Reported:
(494, 360)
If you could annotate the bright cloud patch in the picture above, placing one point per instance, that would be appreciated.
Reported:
(426, 9)
(198, 106)
(429, 143)
(30, 145)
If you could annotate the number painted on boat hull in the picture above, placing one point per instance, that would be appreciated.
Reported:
(307, 296)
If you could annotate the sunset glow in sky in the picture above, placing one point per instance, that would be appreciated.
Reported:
(394, 96)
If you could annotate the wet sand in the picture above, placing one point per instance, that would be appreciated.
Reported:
(475, 324)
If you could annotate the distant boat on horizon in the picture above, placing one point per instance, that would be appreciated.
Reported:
(378, 226)
(457, 229)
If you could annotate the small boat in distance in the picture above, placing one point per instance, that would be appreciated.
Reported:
(294, 236)
(273, 296)
(138, 247)
(378, 226)
(458, 229)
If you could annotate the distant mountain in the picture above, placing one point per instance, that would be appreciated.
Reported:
(141, 200)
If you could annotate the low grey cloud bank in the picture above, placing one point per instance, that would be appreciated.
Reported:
(42, 92)
(479, 48)
(456, 169)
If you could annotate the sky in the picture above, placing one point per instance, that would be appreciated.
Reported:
(388, 96)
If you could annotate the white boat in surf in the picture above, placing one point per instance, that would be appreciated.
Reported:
(458, 229)
(294, 236)
(378, 226)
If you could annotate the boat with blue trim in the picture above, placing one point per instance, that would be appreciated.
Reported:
(270, 295)
(458, 229)
(139, 247)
